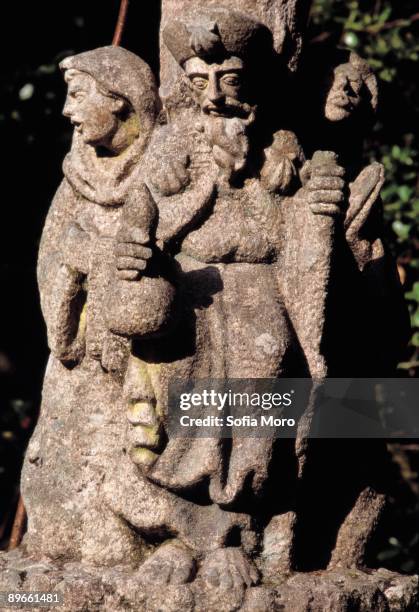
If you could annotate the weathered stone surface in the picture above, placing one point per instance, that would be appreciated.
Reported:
(117, 589)
(216, 242)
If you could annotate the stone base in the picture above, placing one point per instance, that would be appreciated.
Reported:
(90, 589)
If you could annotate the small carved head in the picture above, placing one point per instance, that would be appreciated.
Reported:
(93, 112)
(218, 87)
(112, 98)
(353, 85)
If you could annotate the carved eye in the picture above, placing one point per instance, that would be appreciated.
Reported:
(199, 82)
(355, 84)
(78, 95)
(231, 79)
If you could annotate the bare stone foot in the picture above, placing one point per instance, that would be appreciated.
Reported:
(228, 568)
(223, 580)
(171, 563)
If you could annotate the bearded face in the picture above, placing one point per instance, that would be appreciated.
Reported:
(218, 88)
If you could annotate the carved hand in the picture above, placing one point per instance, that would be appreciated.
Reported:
(132, 253)
(170, 176)
(325, 184)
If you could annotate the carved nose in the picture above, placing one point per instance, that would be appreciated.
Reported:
(67, 111)
(214, 93)
(142, 413)
(345, 84)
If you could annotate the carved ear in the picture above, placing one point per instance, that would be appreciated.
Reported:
(368, 77)
(118, 105)
(372, 86)
(186, 81)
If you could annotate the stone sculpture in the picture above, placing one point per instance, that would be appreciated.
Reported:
(112, 102)
(185, 248)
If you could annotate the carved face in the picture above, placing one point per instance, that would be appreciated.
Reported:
(344, 95)
(93, 114)
(218, 88)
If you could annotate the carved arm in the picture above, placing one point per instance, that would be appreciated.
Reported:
(62, 268)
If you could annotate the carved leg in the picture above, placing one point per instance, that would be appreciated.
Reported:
(223, 579)
(153, 510)
(278, 545)
(172, 563)
(357, 530)
(107, 540)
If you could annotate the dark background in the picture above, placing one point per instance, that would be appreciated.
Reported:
(34, 138)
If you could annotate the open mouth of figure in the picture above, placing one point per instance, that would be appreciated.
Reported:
(77, 126)
(342, 102)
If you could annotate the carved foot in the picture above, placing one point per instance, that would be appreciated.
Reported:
(223, 580)
(171, 564)
(228, 568)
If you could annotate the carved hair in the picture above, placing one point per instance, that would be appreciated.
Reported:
(119, 74)
(367, 75)
(216, 32)
(71, 73)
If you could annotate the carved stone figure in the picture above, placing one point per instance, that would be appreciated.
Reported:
(112, 103)
(232, 321)
(345, 95)
(219, 242)
(345, 98)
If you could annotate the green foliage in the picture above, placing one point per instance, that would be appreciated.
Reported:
(386, 34)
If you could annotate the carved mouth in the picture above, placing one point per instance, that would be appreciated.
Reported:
(226, 112)
(77, 125)
(218, 112)
(342, 102)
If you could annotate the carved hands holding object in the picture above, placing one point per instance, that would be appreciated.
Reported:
(324, 184)
(132, 253)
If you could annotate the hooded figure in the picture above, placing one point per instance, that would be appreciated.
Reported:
(345, 98)
(84, 258)
(123, 76)
(112, 102)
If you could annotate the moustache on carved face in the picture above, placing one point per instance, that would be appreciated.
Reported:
(230, 108)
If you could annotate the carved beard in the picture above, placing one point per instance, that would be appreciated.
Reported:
(229, 140)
